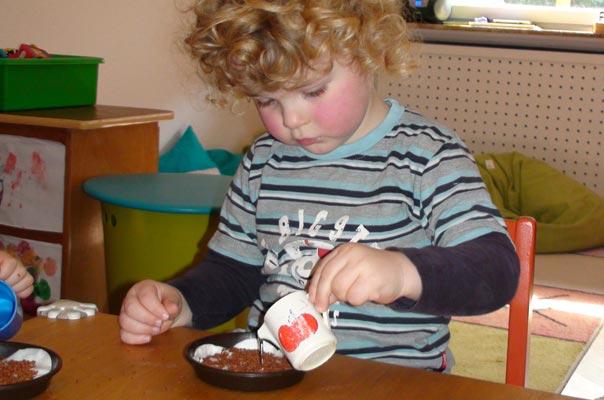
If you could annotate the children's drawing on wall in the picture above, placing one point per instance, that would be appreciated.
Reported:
(43, 261)
(32, 185)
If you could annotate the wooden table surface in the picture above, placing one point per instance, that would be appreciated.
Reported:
(86, 117)
(97, 365)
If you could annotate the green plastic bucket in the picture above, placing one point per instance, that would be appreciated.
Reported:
(156, 226)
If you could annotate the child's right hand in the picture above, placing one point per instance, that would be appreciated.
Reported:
(151, 308)
(356, 273)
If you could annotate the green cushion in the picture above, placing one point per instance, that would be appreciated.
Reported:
(227, 162)
(186, 155)
(569, 215)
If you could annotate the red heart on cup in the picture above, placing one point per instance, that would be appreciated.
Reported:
(302, 328)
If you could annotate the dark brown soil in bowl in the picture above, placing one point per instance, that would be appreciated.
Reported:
(29, 388)
(246, 360)
(245, 381)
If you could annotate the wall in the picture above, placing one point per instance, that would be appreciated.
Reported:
(546, 104)
(144, 64)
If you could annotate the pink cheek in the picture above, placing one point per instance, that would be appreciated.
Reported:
(334, 115)
(327, 117)
(272, 124)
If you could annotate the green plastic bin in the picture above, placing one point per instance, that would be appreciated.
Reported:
(155, 226)
(58, 81)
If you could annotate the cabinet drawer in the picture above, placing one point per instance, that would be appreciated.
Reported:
(32, 183)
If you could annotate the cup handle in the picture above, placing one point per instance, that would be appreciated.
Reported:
(325, 315)
(265, 334)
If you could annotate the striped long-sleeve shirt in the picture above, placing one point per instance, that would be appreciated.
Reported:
(409, 185)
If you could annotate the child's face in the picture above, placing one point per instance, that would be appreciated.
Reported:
(334, 109)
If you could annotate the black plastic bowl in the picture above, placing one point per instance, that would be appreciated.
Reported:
(244, 381)
(27, 389)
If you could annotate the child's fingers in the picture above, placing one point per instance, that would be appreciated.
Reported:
(354, 290)
(133, 338)
(145, 309)
(172, 306)
(321, 286)
(314, 282)
(8, 266)
(23, 288)
(19, 280)
(135, 323)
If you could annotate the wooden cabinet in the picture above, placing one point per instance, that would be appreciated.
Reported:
(45, 157)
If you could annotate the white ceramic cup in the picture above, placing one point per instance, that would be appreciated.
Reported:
(299, 330)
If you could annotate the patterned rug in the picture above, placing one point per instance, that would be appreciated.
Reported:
(557, 313)
(480, 353)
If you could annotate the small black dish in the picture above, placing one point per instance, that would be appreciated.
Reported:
(244, 381)
(27, 389)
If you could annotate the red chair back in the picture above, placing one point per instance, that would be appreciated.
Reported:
(523, 234)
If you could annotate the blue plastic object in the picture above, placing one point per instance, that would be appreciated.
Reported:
(11, 315)
(174, 193)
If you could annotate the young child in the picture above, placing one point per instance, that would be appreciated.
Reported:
(15, 274)
(379, 213)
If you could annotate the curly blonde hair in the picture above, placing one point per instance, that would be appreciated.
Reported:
(247, 47)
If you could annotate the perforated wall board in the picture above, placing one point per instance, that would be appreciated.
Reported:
(547, 105)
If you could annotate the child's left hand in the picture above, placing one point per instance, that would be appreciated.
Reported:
(355, 273)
